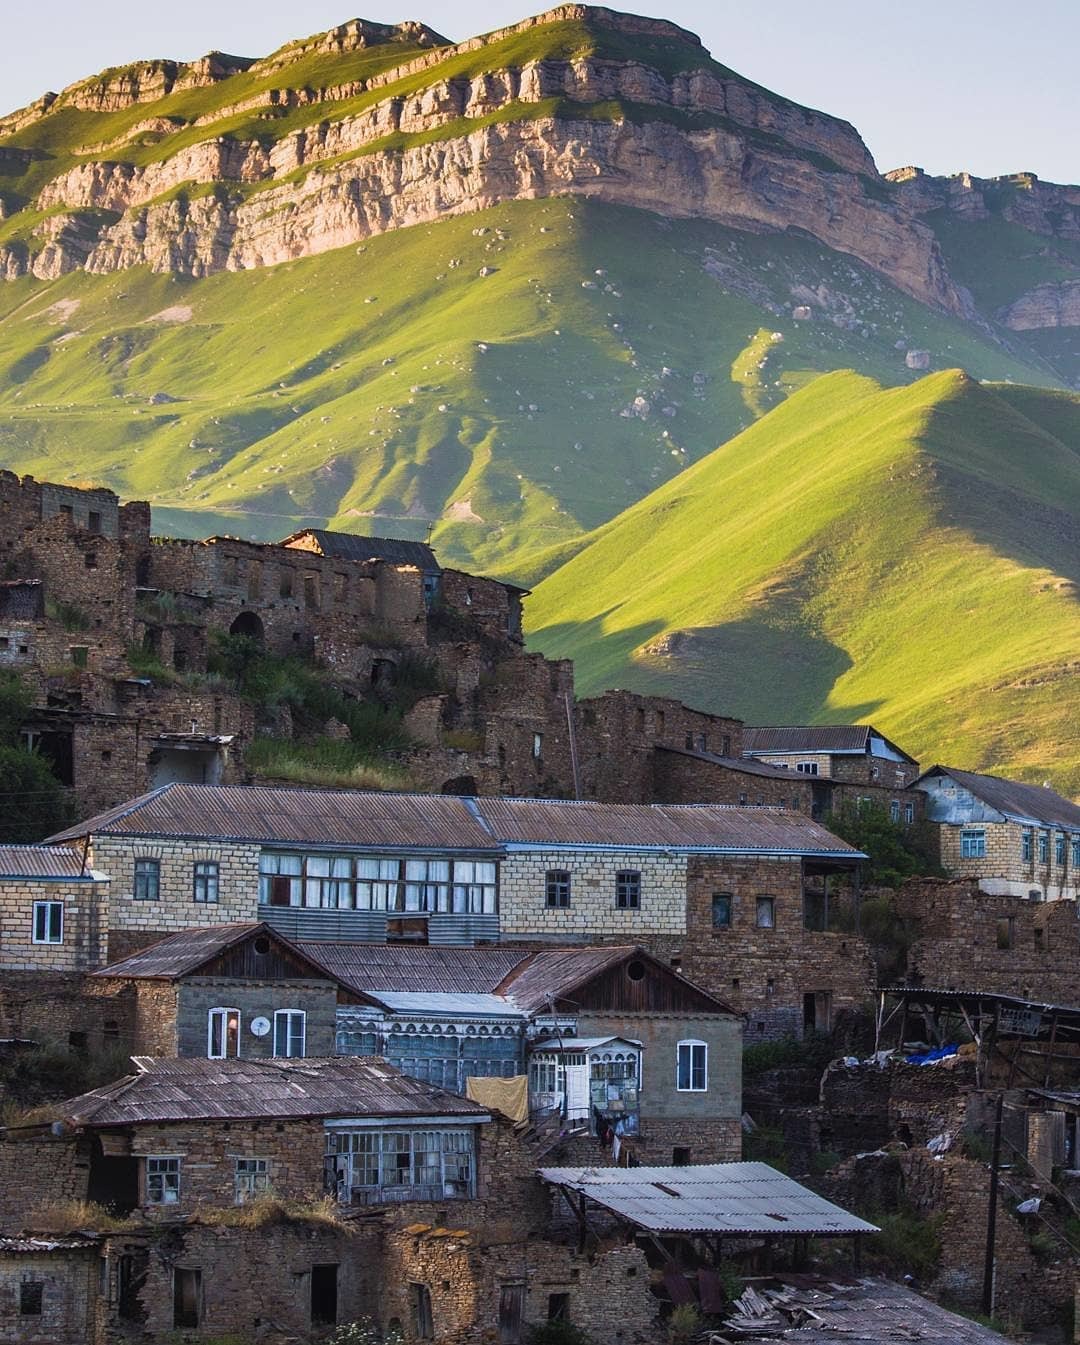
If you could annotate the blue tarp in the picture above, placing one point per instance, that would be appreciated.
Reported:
(932, 1057)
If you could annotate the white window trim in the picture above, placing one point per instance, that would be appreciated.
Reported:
(224, 1033)
(33, 924)
(157, 1158)
(283, 1013)
(691, 1042)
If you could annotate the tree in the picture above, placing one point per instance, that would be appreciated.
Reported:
(896, 852)
(33, 802)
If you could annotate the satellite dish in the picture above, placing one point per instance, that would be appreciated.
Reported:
(260, 1027)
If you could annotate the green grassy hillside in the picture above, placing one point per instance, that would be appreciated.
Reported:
(392, 387)
(907, 556)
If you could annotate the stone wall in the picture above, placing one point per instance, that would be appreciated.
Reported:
(767, 972)
(65, 1279)
(1003, 870)
(256, 999)
(37, 1171)
(688, 777)
(66, 1008)
(592, 913)
(84, 931)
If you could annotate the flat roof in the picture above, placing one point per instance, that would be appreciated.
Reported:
(740, 1199)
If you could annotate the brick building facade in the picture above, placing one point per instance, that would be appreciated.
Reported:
(54, 910)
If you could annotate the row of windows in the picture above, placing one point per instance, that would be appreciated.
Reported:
(251, 1178)
(557, 888)
(205, 875)
(378, 883)
(441, 1161)
(973, 846)
(723, 909)
(223, 1033)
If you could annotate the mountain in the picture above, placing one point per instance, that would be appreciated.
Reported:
(908, 556)
(620, 253)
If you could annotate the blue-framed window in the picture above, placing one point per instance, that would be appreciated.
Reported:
(972, 843)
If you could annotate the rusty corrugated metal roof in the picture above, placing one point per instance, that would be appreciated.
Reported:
(44, 861)
(744, 765)
(370, 967)
(203, 1090)
(351, 546)
(748, 1199)
(807, 738)
(337, 818)
(1017, 801)
(701, 827)
(184, 952)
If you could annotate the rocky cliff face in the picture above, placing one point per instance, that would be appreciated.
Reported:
(1041, 207)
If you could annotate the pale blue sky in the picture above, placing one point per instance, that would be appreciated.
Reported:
(984, 85)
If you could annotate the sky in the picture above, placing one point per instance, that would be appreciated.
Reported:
(987, 86)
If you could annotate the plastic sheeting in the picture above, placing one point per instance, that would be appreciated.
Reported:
(509, 1096)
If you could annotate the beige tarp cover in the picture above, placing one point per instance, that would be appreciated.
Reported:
(510, 1096)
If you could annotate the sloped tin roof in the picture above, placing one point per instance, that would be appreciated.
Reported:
(184, 952)
(351, 546)
(44, 861)
(1019, 802)
(371, 968)
(203, 1090)
(751, 1199)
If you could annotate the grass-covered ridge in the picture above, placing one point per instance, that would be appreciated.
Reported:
(907, 556)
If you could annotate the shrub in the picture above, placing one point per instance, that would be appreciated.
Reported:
(33, 802)
(76, 1216)
(909, 1243)
(561, 1331)
(813, 1052)
(69, 616)
(15, 702)
(684, 1324)
(766, 1144)
(896, 852)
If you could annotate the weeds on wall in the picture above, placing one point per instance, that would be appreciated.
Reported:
(33, 802)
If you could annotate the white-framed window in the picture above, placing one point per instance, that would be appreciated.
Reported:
(894, 810)
(163, 1180)
(289, 1032)
(538, 745)
(252, 1179)
(222, 1033)
(371, 1166)
(48, 922)
(692, 1067)
(807, 767)
(909, 813)
(972, 843)
(378, 883)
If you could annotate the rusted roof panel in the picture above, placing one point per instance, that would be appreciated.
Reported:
(1020, 802)
(44, 861)
(807, 738)
(655, 826)
(332, 818)
(750, 1199)
(184, 952)
(201, 1090)
(744, 765)
(370, 967)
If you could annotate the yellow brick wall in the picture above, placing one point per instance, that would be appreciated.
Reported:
(592, 911)
(85, 928)
(1003, 864)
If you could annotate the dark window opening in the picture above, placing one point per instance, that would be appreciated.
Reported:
(721, 910)
(285, 583)
(93, 521)
(383, 672)
(110, 1029)
(636, 970)
(248, 625)
(77, 1041)
(460, 785)
(628, 890)
(187, 1291)
(558, 1307)
(420, 1302)
(557, 888)
(80, 655)
(311, 591)
(725, 745)
(1005, 932)
(31, 1294)
(90, 560)
(67, 511)
(324, 1295)
(680, 1156)
(407, 931)
(262, 945)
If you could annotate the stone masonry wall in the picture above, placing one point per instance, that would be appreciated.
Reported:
(67, 1280)
(36, 1172)
(61, 1009)
(592, 913)
(686, 777)
(1003, 869)
(85, 931)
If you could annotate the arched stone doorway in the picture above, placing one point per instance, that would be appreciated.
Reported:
(249, 626)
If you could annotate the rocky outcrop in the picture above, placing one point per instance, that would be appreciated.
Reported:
(1046, 208)
(1051, 305)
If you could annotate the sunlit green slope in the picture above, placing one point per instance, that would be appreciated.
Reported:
(909, 556)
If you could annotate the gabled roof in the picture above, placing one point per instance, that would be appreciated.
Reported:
(827, 738)
(46, 861)
(368, 968)
(347, 819)
(744, 765)
(202, 1090)
(183, 953)
(1016, 801)
(551, 974)
(350, 546)
(700, 828)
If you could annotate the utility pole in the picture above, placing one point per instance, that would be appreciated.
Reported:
(991, 1214)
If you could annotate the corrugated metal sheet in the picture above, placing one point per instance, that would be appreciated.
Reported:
(349, 546)
(807, 738)
(42, 861)
(28, 1246)
(450, 1005)
(426, 970)
(744, 765)
(1022, 803)
(553, 972)
(347, 819)
(195, 1090)
(655, 826)
(733, 1198)
(180, 953)
(335, 926)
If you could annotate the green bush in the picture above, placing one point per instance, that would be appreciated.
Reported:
(684, 1324)
(896, 852)
(15, 703)
(909, 1243)
(814, 1051)
(560, 1331)
(33, 802)
(766, 1144)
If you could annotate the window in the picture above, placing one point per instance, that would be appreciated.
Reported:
(311, 591)
(48, 922)
(93, 522)
(807, 767)
(894, 810)
(163, 1181)
(373, 1166)
(1026, 845)
(628, 890)
(1044, 846)
(147, 879)
(252, 1179)
(766, 912)
(31, 1293)
(557, 888)
(80, 655)
(722, 903)
(1059, 849)
(692, 1072)
(420, 1305)
(205, 881)
(1006, 932)
(187, 1295)
(538, 745)
(285, 582)
(289, 1028)
(1076, 852)
(972, 844)
(909, 813)
(222, 1033)
(558, 1307)
(90, 560)
(378, 883)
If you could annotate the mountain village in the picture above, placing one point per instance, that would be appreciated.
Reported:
(513, 1043)
(595, 860)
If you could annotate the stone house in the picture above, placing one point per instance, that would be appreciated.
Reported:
(846, 765)
(47, 1289)
(54, 910)
(1018, 840)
